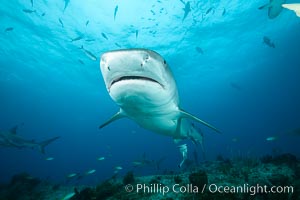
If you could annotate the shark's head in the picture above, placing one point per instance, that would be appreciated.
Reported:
(137, 75)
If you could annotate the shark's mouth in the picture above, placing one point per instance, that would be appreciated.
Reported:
(142, 78)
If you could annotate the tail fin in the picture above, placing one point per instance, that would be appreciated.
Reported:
(43, 144)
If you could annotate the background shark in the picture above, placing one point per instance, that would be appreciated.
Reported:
(141, 83)
(274, 8)
(11, 139)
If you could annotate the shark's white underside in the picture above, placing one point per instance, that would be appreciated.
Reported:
(142, 85)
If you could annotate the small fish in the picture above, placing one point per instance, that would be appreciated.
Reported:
(76, 39)
(61, 22)
(199, 50)
(115, 13)
(89, 54)
(153, 13)
(90, 40)
(68, 196)
(87, 22)
(268, 42)
(272, 138)
(209, 10)
(224, 12)
(9, 29)
(118, 168)
(101, 158)
(31, 1)
(92, 171)
(28, 11)
(136, 34)
(235, 139)
(187, 10)
(43, 14)
(66, 4)
(80, 61)
(49, 158)
(137, 163)
(72, 175)
(103, 35)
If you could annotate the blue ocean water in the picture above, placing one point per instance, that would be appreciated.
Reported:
(225, 74)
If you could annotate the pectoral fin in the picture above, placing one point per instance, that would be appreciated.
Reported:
(115, 117)
(190, 116)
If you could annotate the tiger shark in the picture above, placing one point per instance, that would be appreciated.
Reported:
(11, 139)
(142, 85)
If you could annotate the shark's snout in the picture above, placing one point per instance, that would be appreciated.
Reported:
(131, 68)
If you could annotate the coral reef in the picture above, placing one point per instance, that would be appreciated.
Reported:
(198, 179)
(128, 178)
(201, 183)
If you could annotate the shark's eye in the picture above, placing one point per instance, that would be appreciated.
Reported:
(108, 68)
(165, 62)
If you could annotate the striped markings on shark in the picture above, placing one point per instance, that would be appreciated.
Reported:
(142, 85)
(11, 139)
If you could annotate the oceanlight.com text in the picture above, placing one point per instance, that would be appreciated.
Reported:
(250, 189)
(211, 188)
